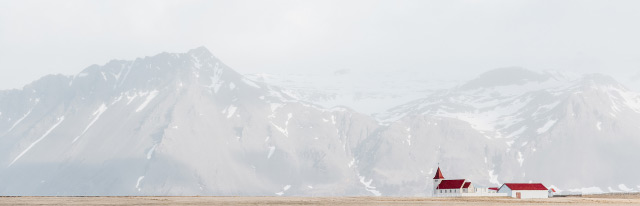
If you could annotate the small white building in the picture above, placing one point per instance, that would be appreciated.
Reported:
(468, 188)
(524, 190)
(552, 192)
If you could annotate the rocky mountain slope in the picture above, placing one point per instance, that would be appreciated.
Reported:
(569, 131)
(365, 91)
(171, 124)
(186, 124)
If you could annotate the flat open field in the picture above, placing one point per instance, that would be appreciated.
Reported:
(586, 200)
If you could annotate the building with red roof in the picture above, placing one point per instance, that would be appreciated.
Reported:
(524, 190)
(456, 187)
(438, 174)
(451, 184)
(468, 187)
(461, 187)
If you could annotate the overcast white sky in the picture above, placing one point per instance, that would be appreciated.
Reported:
(441, 38)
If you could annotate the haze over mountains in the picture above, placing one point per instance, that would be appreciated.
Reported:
(186, 124)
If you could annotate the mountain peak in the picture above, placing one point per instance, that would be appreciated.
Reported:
(505, 76)
(600, 80)
(200, 51)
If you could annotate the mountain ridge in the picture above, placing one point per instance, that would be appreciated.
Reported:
(187, 124)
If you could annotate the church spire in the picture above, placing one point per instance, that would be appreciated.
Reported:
(438, 175)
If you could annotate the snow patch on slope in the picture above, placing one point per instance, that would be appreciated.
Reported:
(272, 149)
(19, 120)
(97, 113)
(150, 97)
(37, 141)
(138, 183)
(284, 130)
(250, 83)
(493, 178)
(284, 189)
(546, 126)
(520, 158)
(151, 151)
(624, 188)
(368, 187)
(230, 110)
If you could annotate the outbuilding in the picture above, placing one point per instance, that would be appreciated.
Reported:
(524, 190)
(552, 192)
(468, 188)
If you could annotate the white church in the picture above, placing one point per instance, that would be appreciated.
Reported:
(461, 187)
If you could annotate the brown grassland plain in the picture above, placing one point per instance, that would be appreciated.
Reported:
(584, 200)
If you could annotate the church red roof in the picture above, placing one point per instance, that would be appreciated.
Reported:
(466, 185)
(493, 188)
(525, 186)
(438, 175)
(451, 184)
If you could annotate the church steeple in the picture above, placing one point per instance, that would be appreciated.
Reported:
(438, 175)
(437, 180)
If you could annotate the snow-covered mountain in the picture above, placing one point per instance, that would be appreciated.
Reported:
(171, 124)
(186, 124)
(367, 92)
(570, 131)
